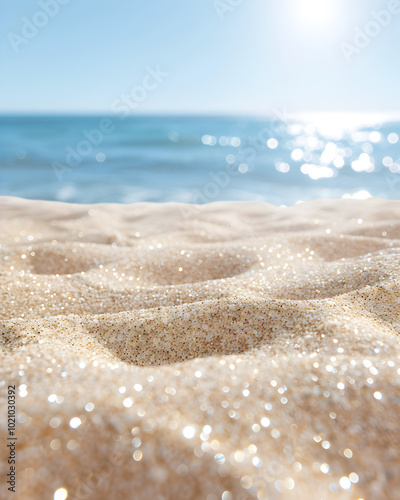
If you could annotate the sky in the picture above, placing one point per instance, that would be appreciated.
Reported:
(244, 57)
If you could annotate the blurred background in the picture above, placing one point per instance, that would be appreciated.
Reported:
(278, 101)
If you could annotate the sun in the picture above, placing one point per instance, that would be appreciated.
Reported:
(316, 14)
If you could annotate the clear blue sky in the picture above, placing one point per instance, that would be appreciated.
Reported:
(245, 59)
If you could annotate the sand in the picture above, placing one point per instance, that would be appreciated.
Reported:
(229, 351)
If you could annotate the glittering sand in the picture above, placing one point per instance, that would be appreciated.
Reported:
(232, 351)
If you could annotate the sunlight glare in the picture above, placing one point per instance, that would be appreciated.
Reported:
(317, 14)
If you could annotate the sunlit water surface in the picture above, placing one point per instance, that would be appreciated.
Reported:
(197, 159)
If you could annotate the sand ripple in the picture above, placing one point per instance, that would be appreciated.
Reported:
(235, 347)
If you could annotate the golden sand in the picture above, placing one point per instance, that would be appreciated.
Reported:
(228, 351)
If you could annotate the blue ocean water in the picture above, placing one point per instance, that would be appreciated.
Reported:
(92, 159)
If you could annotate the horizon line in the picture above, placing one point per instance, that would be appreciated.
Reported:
(294, 111)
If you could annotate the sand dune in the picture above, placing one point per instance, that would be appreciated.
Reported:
(231, 350)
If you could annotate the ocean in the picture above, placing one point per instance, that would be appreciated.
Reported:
(282, 160)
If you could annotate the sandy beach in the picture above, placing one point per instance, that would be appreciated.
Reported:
(233, 350)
